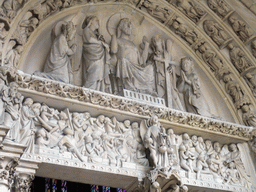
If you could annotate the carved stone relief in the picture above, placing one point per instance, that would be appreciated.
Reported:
(190, 9)
(220, 7)
(242, 30)
(216, 32)
(238, 58)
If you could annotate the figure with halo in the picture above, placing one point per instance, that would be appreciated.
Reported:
(189, 85)
(131, 70)
(95, 57)
(58, 64)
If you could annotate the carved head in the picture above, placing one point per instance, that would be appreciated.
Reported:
(36, 107)
(41, 133)
(127, 123)
(216, 146)
(135, 125)
(208, 144)
(187, 64)
(232, 20)
(87, 115)
(194, 138)
(124, 27)
(170, 132)
(101, 118)
(91, 21)
(157, 44)
(185, 136)
(200, 139)
(153, 120)
(233, 147)
(63, 115)
(28, 102)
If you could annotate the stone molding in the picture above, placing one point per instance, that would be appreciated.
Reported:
(36, 85)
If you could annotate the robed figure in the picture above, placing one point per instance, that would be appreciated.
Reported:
(95, 57)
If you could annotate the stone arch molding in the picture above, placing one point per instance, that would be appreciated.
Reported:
(216, 57)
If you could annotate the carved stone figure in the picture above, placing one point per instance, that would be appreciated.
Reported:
(96, 57)
(241, 29)
(238, 58)
(131, 73)
(165, 77)
(248, 116)
(12, 6)
(193, 11)
(28, 129)
(9, 106)
(188, 84)
(234, 160)
(13, 53)
(154, 139)
(160, 13)
(251, 80)
(57, 66)
(180, 29)
(69, 142)
(216, 32)
(235, 91)
(26, 26)
(220, 7)
(43, 9)
(211, 58)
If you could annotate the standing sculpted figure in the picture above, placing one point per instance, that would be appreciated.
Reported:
(58, 65)
(95, 57)
(188, 84)
(154, 139)
(131, 73)
(165, 74)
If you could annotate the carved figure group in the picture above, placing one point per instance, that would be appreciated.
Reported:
(132, 69)
(95, 138)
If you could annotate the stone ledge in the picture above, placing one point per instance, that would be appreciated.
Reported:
(86, 99)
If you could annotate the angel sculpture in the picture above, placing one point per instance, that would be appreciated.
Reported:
(154, 138)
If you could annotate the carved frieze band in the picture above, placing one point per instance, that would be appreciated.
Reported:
(28, 82)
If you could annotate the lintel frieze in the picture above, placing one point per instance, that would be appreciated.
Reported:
(34, 85)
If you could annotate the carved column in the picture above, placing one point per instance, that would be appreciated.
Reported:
(9, 158)
(25, 174)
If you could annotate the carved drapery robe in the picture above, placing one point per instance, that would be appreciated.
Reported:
(95, 63)
(129, 70)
